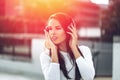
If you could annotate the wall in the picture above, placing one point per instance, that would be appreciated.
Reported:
(116, 58)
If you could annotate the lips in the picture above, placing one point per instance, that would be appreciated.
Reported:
(54, 38)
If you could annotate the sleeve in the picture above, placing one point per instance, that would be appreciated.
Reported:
(85, 64)
(49, 69)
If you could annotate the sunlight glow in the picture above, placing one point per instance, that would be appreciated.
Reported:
(100, 1)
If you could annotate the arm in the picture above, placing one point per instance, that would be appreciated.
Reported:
(50, 64)
(85, 64)
(52, 47)
(49, 68)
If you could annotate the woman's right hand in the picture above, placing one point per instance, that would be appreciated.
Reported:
(48, 43)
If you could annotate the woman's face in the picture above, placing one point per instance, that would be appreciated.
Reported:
(56, 31)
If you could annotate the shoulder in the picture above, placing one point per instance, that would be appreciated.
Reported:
(45, 54)
(85, 50)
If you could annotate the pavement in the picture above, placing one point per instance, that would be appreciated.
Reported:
(20, 76)
(103, 78)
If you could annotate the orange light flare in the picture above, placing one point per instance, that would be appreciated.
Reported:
(43, 8)
(36, 12)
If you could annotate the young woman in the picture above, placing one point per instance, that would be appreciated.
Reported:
(63, 58)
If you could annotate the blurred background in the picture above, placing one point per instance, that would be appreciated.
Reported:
(22, 37)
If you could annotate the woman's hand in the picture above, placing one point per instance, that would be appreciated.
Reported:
(74, 38)
(74, 41)
(48, 43)
(51, 46)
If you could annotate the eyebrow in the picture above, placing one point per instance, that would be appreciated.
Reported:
(55, 26)
(58, 26)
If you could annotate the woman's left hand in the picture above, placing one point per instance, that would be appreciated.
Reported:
(74, 38)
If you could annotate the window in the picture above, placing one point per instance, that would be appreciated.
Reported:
(94, 32)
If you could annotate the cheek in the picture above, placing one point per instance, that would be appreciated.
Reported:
(63, 35)
(50, 35)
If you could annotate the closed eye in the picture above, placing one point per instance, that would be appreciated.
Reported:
(58, 28)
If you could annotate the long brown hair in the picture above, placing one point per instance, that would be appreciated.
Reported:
(65, 20)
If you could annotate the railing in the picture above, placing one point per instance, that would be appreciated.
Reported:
(15, 47)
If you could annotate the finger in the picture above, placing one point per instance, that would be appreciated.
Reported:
(71, 34)
(46, 34)
(73, 31)
(73, 26)
(46, 41)
(74, 35)
(70, 28)
(74, 38)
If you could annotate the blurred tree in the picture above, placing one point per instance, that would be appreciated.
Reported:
(111, 20)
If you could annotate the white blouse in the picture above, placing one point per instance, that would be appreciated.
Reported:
(52, 70)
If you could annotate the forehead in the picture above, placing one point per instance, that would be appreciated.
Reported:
(53, 22)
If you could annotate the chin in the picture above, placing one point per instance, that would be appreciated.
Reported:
(56, 43)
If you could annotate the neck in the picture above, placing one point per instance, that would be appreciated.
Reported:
(63, 46)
